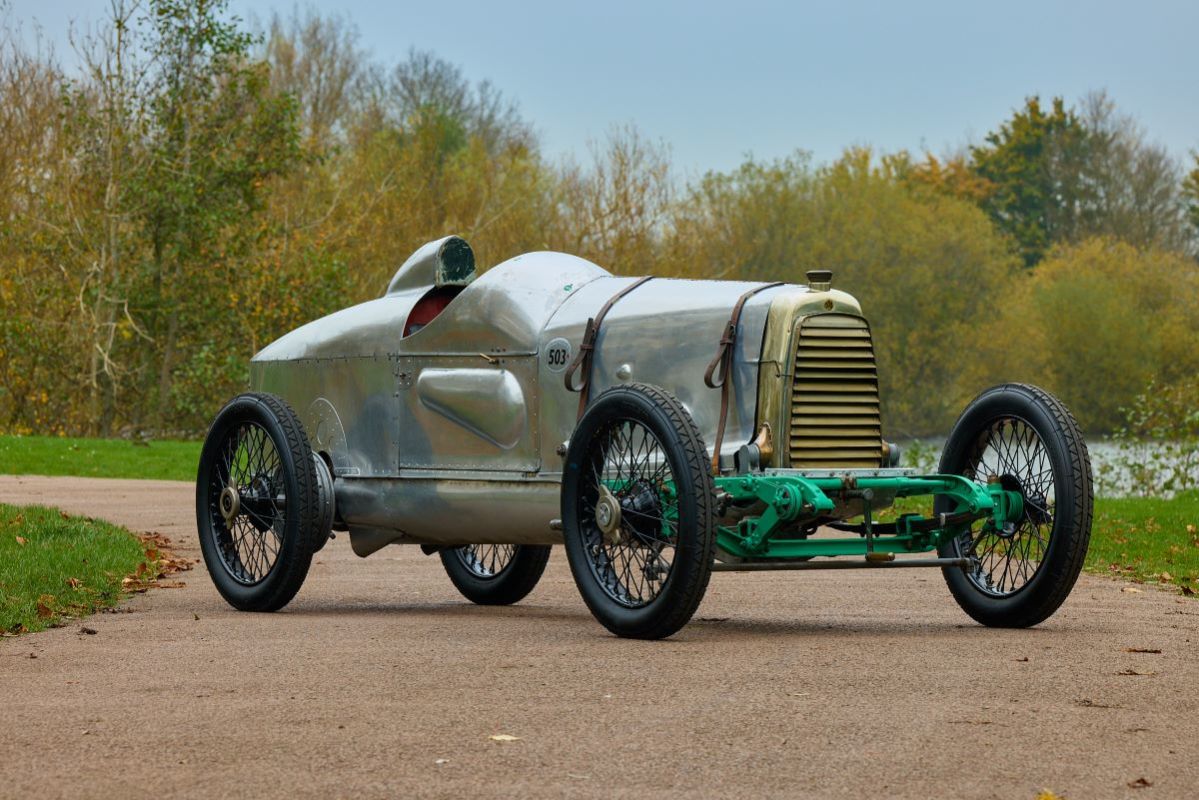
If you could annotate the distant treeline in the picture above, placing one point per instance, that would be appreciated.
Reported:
(192, 190)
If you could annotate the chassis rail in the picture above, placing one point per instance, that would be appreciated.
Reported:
(760, 566)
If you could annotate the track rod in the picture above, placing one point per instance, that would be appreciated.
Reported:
(763, 566)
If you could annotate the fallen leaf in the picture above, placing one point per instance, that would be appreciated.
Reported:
(504, 737)
(196, 617)
(1187, 590)
(441, 761)
(1191, 529)
(1140, 783)
(74, 583)
(1141, 650)
(44, 610)
(1134, 672)
(1025, 658)
(21, 540)
(33, 655)
(1165, 576)
(1048, 795)
(64, 514)
(87, 630)
(1087, 702)
(1132, 590)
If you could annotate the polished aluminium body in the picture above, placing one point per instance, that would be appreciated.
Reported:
(659, 429)
(455, 433)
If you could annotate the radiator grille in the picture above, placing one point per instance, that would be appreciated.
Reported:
(834, 397)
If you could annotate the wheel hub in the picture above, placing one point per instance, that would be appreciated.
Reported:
(607, 515)
(230, 503)
(643, 507)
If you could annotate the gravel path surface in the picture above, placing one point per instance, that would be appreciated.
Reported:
(380, 681)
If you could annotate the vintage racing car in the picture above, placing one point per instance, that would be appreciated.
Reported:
(659, 429)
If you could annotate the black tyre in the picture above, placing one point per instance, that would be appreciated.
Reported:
(259, 506)
(637, 512)
(495, 574)
(1029, 441)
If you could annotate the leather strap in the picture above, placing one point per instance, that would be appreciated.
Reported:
(587, 348)
(722, 362)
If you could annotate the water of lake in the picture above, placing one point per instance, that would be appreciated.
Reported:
(1108, 463)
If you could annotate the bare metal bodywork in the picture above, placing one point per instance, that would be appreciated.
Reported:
(454, 433)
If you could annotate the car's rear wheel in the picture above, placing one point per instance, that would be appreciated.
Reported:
(495, 574)
(1028, 441)
(637, 512)
(261, 509)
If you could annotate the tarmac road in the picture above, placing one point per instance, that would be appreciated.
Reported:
(380, 681)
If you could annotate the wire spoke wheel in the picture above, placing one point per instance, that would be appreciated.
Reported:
(1013, 453)
(261, 511)
(248, 500)
(486, 560)
(633, 560)
(1026, 440)
(495, 574)
(637, 513)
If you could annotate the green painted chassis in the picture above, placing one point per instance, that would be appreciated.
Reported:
(791, 497)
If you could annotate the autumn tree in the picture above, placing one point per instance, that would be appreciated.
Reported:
(1033, 161)
(1095, 323)
(1190, 189)
(317, 61)
(1062, 175)
(1133, 184)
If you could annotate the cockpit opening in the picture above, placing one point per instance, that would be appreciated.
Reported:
(429, 306)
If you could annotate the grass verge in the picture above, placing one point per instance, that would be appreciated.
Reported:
(98, 458)
(54, 566)
(1148, 540)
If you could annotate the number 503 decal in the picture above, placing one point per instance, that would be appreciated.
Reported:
(557, 355)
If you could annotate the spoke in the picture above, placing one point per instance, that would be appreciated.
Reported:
(1013, 451)
(627, 459)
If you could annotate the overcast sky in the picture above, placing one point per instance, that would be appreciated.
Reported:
(716, 81)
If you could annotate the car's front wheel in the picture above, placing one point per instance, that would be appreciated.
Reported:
(495, 574)
(1027, 441)
(637, 512)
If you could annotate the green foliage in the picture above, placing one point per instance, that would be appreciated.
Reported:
(1095, 323)
(1062, 175)
(1031, 162)
(54, 567)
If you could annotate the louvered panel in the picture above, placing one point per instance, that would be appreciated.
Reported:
(844, 430)
(835, 420)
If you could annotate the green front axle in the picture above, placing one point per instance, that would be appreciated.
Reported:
(794, 502)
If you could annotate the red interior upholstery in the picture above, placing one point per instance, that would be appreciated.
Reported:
(429, 306)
